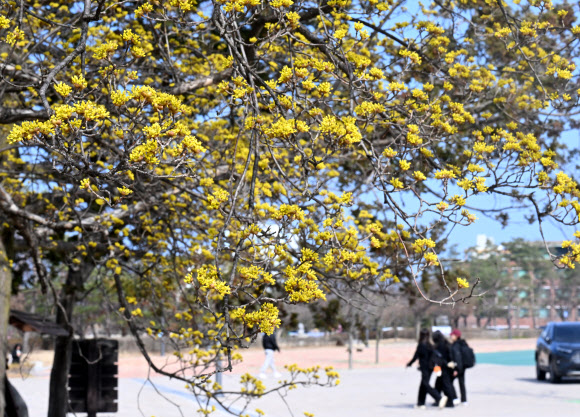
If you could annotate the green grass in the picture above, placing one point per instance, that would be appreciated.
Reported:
(510, 358)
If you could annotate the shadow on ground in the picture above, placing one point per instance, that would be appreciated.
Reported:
(404, 406)
(564, 381)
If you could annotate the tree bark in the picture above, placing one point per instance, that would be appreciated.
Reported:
(5, 292)
(58, 396)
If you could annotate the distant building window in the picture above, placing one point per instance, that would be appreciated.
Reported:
(543, 313)
(524, 312)
(523, 294)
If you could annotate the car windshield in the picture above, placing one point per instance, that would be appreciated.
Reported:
(567, 334)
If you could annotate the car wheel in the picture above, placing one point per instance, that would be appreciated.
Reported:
(540, 375)
(554, 377)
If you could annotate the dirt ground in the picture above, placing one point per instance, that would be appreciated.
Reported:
(391, 354)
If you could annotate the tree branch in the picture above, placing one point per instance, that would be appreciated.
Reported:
(9, 116)
(190, 86)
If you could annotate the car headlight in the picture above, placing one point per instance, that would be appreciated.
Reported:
(564, 350)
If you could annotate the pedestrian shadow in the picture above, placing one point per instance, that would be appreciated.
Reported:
(564, 381)
(405, 406)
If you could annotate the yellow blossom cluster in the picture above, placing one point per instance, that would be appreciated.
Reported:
(208, 279)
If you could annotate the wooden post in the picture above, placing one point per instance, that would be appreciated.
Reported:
(92, 380)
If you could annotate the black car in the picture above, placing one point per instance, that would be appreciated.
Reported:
(558, 351)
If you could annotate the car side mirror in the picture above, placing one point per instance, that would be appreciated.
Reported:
(548, 340)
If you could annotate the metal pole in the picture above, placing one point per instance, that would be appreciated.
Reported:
(219, 373)
(378, 336)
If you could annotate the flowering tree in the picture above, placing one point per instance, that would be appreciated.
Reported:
(213, 159)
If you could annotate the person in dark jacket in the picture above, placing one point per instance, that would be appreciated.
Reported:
(459, 371)
(269, 344)
(445, 382)
(424, 354)
(16, 353)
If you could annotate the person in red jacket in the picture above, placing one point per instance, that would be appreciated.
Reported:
(459, 371)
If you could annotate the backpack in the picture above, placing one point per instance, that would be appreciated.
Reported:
(467, 356)
(436, 359)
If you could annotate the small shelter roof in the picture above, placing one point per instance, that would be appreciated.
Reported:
(29, 322)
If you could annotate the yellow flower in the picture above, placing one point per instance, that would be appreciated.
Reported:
(397, 183)
(281, 3)
(340, 33)
(462, 283)
(444, 174)
(419, 176)
(431, 259)
(79, 82)
(124, 191)
(14, 36)
(389, 152)
(404, 165)
(422, 244)
(85, 184)
(63, 89)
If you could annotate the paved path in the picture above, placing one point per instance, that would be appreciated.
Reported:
(493, 390)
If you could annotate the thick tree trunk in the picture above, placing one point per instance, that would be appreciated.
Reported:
(5, 292)
(58, 397)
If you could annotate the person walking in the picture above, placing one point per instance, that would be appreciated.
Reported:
(457, 348)
(445, 382)
(269, 344)
(425, 355)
